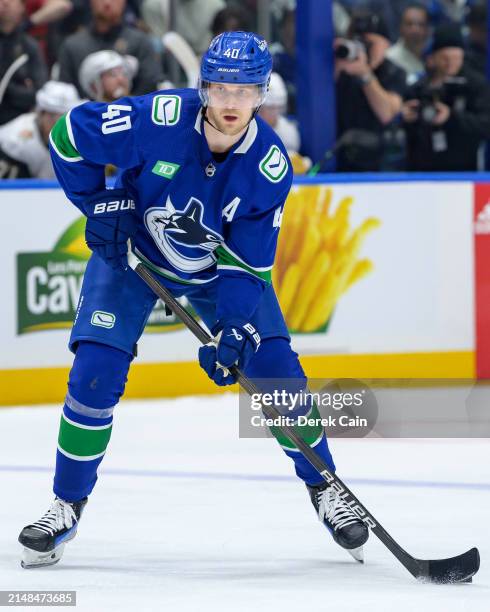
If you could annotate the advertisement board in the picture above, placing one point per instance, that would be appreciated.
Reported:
(401, 255)
(365, 272)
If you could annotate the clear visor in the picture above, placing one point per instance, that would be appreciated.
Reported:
(231, 95)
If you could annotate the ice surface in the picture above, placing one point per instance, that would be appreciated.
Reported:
(188, 517)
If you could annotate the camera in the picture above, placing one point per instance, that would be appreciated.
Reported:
(427, 96)
(427, 107)
(349, 50)
(362, 24)
(452, 92)
(365, 23)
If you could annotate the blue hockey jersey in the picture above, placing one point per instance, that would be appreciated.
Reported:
(198, 220)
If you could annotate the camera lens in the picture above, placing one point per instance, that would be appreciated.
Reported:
(342, 51)
(348, 50)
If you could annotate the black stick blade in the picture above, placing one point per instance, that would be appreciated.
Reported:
(450, 571)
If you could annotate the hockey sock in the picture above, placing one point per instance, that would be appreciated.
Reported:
(96, 383)
(303, 467)
(315, 437)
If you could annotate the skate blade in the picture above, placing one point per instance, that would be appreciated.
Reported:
(33, 558)
(357, 554)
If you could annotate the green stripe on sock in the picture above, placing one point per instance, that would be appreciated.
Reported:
(59, 136)
(83, 442)
(309, 433)
(225, 258)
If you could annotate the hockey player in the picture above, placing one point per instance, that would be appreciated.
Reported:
(273, 112)
(24, 149)
(106, 75)
(201, 198)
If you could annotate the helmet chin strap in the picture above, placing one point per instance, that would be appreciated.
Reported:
(205, 117)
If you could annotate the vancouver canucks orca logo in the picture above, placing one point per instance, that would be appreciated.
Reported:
(181, 235)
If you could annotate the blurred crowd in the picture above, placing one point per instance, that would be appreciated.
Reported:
(410, 77)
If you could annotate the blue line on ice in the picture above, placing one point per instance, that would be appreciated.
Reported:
(475, 486)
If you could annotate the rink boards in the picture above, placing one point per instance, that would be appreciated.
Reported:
(377, 278)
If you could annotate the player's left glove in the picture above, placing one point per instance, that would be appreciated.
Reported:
(237, 343)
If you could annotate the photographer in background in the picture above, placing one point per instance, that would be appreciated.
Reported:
(370, 90)
(446, 113)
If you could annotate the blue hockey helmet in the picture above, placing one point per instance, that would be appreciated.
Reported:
(236, 58)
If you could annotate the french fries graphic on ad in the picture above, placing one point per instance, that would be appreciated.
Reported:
(317, 258)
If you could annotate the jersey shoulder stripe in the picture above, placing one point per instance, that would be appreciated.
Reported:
(62, 141)
(228, 260)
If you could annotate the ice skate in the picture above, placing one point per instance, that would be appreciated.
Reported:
(347, 529)
(44, 541)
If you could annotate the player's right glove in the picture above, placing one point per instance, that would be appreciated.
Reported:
(237, 343)
(111, 221)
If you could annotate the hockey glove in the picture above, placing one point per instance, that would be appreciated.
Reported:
(237, 343)
(111, 220)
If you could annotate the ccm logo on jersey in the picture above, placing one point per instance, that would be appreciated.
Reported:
(113, 206)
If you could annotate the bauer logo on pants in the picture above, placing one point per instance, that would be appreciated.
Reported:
(103, 319)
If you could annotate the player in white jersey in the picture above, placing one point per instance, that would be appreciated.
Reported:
(24, 141)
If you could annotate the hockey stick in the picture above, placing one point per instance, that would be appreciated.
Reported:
(9, 73)
(440, 571)
(185, 56)
(363, 138)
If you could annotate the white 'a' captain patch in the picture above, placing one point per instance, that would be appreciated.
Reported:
(166, 110)
(274, 165)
